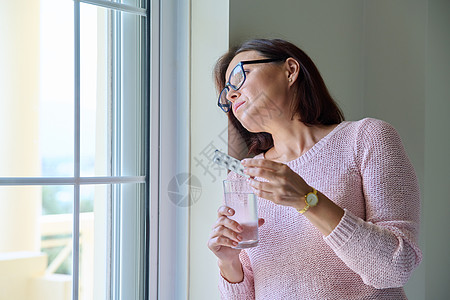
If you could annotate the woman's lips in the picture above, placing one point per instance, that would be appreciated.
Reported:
(238, 105)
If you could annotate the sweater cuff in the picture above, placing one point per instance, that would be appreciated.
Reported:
(237, 289)
(343, 231)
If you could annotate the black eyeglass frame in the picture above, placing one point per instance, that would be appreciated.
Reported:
(226, 107)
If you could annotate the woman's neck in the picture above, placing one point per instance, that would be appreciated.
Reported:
(291, 142)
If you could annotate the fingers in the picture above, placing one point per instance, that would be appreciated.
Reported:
(217, 242)
(225, 211)
(266, 195)
(226, 232)
(224, 236)
(267, 190)
(265, 164)
(262, 173)
(223, 224)
(262, 163)
(270, 170)
(263, 186)
(283, 185)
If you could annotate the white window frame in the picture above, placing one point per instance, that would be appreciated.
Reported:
(117, 291)
(170, 38)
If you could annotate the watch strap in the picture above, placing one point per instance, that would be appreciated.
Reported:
(304, 209)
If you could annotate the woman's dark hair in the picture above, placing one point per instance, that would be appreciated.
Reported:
(313, 104)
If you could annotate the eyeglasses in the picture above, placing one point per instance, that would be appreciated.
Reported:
(237, 79)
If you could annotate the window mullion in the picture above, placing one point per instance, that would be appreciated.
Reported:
(118, 6)
(115, 152)
(77, 128)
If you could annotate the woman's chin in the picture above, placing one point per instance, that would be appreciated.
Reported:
(252, 128)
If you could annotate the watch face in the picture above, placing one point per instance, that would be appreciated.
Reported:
(312, 199)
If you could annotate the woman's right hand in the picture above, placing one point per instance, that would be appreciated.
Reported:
(225, 235)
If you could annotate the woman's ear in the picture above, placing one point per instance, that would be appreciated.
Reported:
(292, 70)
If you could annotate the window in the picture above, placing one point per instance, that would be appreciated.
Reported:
(74, 127)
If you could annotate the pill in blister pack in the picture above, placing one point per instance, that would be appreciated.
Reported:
(229, 162)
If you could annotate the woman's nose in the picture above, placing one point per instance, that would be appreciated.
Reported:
(233, 95)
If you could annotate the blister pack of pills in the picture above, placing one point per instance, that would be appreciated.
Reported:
(229, 162)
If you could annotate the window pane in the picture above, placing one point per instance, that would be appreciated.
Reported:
(113, 231)
(132, 98)
(94, 93)
(137, 3)
(111, 97)
(36, 106)
(56, 130)
(94, 239)
(129, 238)
(36, 249)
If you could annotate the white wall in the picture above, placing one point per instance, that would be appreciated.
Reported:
(437, 149)
(209, 41)
(394, 85)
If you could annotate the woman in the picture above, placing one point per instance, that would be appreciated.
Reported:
(356, 237)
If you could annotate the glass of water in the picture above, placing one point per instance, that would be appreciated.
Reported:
(240, 197)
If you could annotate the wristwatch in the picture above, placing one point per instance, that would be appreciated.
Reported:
(311, 200)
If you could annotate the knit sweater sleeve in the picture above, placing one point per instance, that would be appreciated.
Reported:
(382, 249)
(244, 290)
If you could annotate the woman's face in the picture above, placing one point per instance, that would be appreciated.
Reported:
(263, 99)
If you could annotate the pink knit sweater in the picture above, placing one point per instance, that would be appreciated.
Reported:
(363, 167)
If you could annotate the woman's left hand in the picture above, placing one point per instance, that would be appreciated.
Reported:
(284, 186)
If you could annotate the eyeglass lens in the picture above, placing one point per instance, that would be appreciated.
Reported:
(224, 102)
(236, 79)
